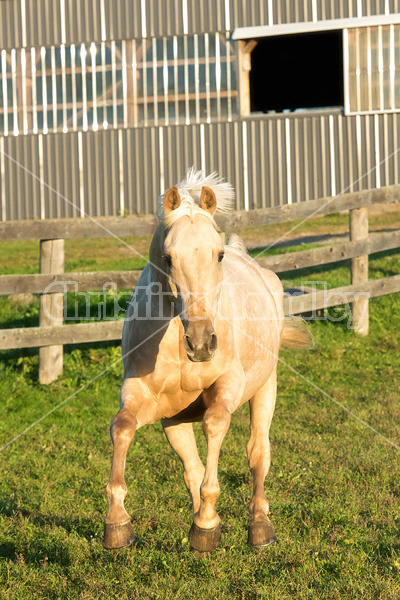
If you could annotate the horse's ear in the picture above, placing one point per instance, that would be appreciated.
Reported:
(208, 201)
(172, 200)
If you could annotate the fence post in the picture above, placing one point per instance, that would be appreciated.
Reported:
(51, 310)
(359, 269)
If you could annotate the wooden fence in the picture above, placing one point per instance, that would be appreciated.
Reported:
(51, 334)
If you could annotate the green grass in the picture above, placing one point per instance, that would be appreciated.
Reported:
(333, 487)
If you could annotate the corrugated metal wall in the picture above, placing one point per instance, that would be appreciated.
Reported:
(26, 23)
(269, 160)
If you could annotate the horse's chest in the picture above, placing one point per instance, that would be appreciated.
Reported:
(175, 378)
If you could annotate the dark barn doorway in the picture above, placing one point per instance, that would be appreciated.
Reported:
(292, 72)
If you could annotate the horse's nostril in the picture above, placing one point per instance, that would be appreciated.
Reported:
(189, 343)
(212, 345)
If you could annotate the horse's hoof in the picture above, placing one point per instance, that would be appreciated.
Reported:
(204, 540)
(261, 534)
(118, 535)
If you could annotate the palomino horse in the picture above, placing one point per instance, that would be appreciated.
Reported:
(201, 337)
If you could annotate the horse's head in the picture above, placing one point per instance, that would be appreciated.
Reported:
(191, 257)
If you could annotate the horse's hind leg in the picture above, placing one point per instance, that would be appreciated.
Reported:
(182, 440)
(262, 406)
(118, 530)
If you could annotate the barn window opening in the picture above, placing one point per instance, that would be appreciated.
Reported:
(297, 72)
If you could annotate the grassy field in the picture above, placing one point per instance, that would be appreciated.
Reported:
(334, 484)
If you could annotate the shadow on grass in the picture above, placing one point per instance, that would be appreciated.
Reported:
(6, 355)
(54, 548)
(382, 553)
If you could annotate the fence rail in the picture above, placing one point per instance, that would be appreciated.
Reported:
(51, 337)
(46, 229)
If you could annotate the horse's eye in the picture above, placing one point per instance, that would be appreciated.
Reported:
(220, 256)
(167, 259)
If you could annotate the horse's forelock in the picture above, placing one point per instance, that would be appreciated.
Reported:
(190, 190)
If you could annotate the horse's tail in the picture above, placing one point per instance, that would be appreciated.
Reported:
(296, 335)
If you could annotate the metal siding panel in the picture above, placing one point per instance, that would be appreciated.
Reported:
(135, 197)
(239, 180)
(112, 143)
(90, 175)
(255, 165)
(351, 138)
(343, 158)
(66, 169)
(57, 204)
(385, 150)
(248, 13)
(101, 165)
(55, 33)
(22, 205)
(68, 172)
(61, 206)
(75, 178)
(3, 197)
(390, 149)
(85, 173)
(149, 170)
(264, 166)
(394, 125)
(119, 21)
(10, 16)
(311, 160)
(48, 170)
(156, 27)
(293, 11)
(95, 19)
(128, 181)
(308, 150)
(163, 17)
(276, 11)
(16, 24)
(3, 25)
(336, 158)
(109, 18)
(370, 175)
(172, 153)
(19, 200)
(364, 155)
(26, 180)
(194, 9)
(156, 172)
(295, 160)
(69, 22)
(31, 26)
(261, 167)
(142, 163)
(71, 172)
(8, 176)
(35, 184)
(140, 183)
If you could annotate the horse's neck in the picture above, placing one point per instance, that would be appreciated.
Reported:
(155, 255)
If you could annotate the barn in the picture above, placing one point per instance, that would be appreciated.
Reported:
(105, 103)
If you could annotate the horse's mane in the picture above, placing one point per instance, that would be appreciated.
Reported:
(190, 190)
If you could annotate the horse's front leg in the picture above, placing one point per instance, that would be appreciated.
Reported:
(221, 399)
(262, 406)
(118, 531)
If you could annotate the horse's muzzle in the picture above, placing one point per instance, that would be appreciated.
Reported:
(200, 346)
